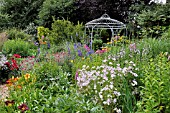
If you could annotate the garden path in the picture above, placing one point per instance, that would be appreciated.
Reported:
(3, 91)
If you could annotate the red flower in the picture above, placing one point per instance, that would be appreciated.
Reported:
(9, 103)
(23, 108)
(14, 65)
(17, 56)
(7, 64)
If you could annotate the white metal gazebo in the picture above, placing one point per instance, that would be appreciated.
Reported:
(105, 22)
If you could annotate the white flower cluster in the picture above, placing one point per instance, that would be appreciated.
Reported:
(3, 60)
(104, 81)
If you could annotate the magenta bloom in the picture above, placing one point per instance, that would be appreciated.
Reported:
(86, 48)
(76, 75)
(23, 107)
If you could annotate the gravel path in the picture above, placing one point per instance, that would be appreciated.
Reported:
(3, 92)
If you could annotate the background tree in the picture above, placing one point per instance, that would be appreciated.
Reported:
(151, 20)
(54, 8)
(21, 12)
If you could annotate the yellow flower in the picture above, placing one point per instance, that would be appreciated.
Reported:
(83, 58)
(71, 61)
(27, 76)
(161, 107)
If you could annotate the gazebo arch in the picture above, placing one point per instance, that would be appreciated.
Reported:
(104, 22)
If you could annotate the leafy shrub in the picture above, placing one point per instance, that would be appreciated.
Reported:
(17, 46)
(97, 44)
(47, 71)
(155, 90)
(166, 35)
(17, 34)
(64, 30)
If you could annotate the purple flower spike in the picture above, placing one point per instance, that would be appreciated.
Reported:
(36, 43)
(38, 50)
(75, 46)
(80, 53)
(69, 51)
(79, 44)
(48, 45)
(77, 34)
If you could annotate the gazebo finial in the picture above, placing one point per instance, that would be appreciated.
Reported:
(105, 16)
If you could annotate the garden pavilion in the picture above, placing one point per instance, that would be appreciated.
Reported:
(105, 22)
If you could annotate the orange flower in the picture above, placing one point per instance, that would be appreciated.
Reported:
(15, 79)
(19, 87)
(27, 76)
(11, 81)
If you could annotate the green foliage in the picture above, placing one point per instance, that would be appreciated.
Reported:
(4, 21)
(155, 46)
(42, 31)
(104, 34)
(15, 33)
(166, 34)
(46, 71)
(56, 8)
(57, 97)
(20, 12)
(97, 44)
(64, 30)
(153, 21)
(155, 90)
(17, 46)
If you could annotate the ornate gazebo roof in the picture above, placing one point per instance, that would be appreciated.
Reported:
(105, 22)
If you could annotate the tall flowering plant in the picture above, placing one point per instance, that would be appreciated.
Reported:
(3, 60)
(104, 83)
(3, 68)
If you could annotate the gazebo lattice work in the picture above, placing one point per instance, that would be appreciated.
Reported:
(105, 22)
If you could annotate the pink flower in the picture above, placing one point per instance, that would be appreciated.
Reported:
(86, 47)
(76, 75)
(42, 37)
(132, 47)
